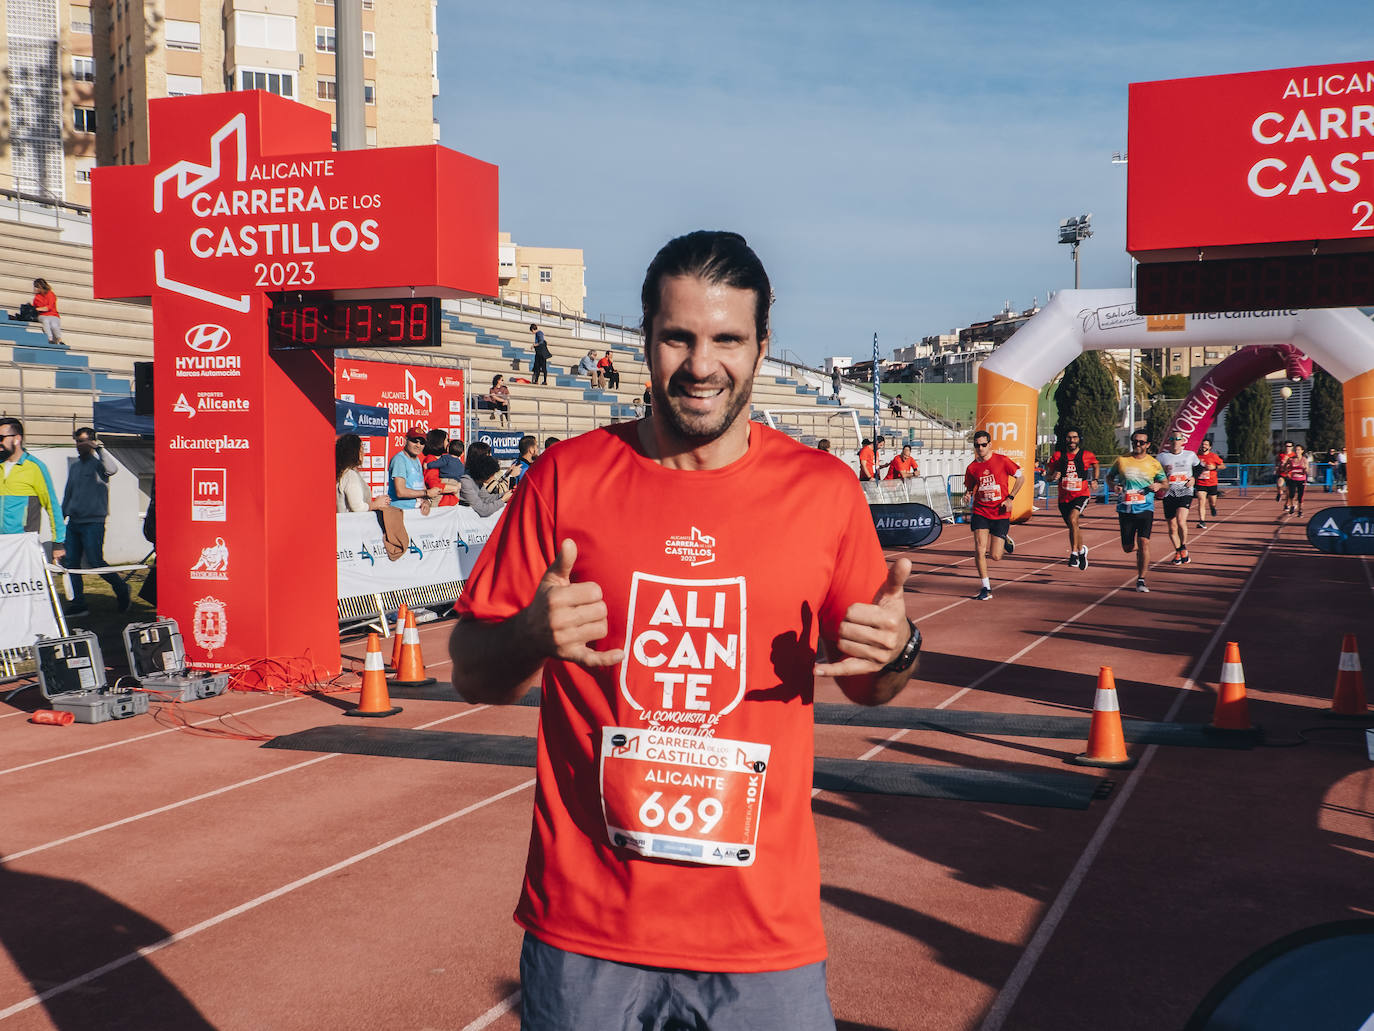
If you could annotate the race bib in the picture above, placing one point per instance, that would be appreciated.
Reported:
(681, 797)
(1178, 477)
(1072, 483)
(1133, 496)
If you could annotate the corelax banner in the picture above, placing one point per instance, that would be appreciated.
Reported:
(444, 546)
(25, 606)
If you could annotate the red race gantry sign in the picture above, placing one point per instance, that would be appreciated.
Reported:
(242, 199)
(1284, 156)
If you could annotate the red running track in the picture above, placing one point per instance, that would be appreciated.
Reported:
(159, 878)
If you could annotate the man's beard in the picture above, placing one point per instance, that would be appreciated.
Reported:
(700, 428)
(6, 452)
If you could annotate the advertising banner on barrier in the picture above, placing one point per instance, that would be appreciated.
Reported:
(25, 608)
(416, 395)
(1343, 531)
(906, 525)
(444, 546)
(504, 443)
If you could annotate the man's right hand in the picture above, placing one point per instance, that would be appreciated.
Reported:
(568, 617)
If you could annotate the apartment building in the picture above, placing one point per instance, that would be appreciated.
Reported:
(81, 74)
(1181, 361)
(552, 278)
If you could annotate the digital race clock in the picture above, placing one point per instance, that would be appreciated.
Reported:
(328, 323)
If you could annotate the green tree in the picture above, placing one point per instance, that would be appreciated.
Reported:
(1247, 426)
(1326, 425)
(1175, 386)
(1086, 398)
(1157, 419)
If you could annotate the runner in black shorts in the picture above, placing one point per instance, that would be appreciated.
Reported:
(1180, 466)
(1075, 470)
(992, 481)
(1140, 478)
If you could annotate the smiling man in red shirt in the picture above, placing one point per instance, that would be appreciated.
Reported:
(673, 875)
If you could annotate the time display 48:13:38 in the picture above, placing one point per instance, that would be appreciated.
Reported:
(386, 322)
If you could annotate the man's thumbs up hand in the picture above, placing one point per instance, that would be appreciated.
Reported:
(566, 618)
(871, 636)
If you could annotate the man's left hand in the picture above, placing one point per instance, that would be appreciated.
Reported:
(871, 636)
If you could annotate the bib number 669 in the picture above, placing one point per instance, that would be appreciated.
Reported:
(681, 816)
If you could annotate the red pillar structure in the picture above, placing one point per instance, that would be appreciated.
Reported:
(243, 206)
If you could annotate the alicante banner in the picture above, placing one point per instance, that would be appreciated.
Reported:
(1343, 531)
(25, 604)
(443, 547)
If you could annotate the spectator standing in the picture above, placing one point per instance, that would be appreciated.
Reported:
(86, 502)
(542, 354)
(405, 476)
(868, 457)
(26, 489)
(835, 382)
(588, 367)
(45, 303)
(656, 917)
(1340, 470)
(475, 488)
(450, 463)
(647, 401)
(823, 445)
(351, 492)
(608, 371)
(499, 399)
(550, 442)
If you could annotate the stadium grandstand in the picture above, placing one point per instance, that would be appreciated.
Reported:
(53, 388)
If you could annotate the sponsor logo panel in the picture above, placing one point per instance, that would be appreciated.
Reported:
(209, 495)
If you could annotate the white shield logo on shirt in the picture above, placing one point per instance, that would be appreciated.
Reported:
(684, 648)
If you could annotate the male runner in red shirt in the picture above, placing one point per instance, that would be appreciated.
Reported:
(1208, 484)
(1075, 470)
(989, 478)
(673, 875)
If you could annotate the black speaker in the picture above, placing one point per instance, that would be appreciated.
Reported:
(143, 388)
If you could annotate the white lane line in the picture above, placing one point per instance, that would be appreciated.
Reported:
(964, 561)
(229, 914)
(1039, 942)
(141, 737)
(207, 794)
(495, 1013)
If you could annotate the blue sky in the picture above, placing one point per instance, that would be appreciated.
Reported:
(901, 168)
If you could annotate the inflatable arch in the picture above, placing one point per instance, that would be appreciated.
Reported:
(1341, 340)
(1237, 371)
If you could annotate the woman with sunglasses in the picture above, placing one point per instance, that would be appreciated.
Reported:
(1140, 479)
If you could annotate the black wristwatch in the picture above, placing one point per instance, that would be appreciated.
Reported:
(908, 654)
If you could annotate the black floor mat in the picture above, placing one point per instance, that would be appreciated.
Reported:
(1060, 789)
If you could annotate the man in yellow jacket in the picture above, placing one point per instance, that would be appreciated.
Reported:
(26, 488)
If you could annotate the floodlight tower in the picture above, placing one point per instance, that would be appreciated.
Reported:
(1075, 231)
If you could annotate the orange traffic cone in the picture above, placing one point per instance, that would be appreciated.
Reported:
(1106, 742)
(411, 670)
(1232, 715)
(1348, 702)
(375, 700)
(401, 614)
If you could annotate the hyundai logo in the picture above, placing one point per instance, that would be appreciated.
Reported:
(207, 338)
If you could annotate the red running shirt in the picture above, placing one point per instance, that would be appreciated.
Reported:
(1075, 481)
(1295, 469)
(899, 465)
(1210, 463)
(717, 590)
(990, 483)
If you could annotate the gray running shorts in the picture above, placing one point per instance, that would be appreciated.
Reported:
(565, 991)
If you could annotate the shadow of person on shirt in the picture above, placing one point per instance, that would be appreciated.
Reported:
(793, 657)
(56, 931)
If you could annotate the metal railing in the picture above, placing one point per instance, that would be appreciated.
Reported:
(931, 491)
(18, 204)
(84, 398)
